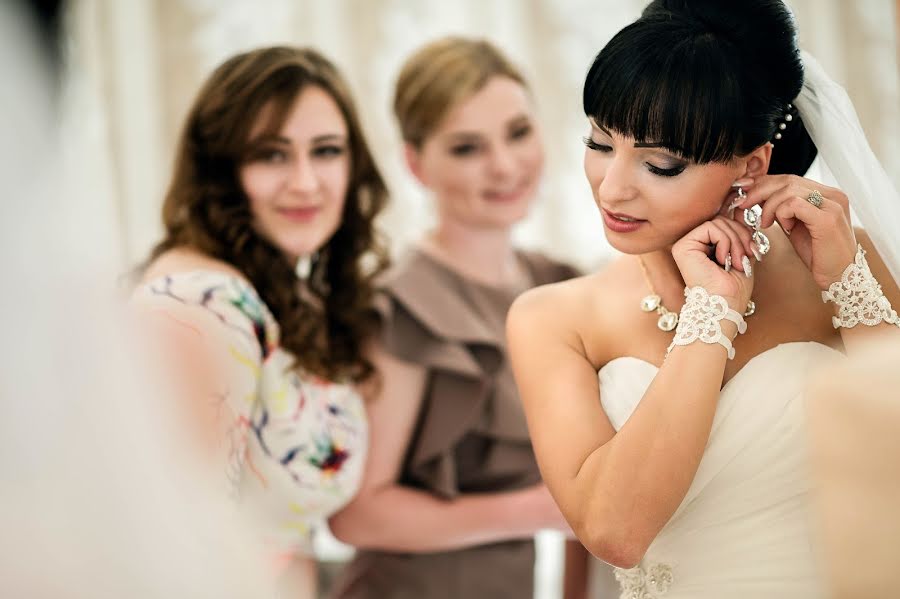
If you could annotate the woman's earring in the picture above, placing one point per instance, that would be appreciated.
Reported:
(741, 196)
(304, 266)
(753, 219)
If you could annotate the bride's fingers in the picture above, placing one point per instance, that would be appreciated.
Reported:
(699, 240)
(768, 207)
(771, 205)
(735, 245)
(744, 234)
(821, 220)
(768, 185)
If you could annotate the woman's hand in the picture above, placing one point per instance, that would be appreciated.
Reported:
(732, 248)
(822, 236)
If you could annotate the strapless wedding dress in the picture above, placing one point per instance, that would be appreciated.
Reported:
(743, 529)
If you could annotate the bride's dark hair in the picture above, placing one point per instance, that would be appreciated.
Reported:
(709, 79)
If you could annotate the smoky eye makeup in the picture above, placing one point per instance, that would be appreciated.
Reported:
(667, 165)
(676, 168)
(666, 172)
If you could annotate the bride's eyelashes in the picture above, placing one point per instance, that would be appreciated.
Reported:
(593, 145)
(666, 172)
(672, 171)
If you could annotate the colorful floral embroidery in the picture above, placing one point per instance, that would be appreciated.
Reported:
(328, 457)
(295, 444)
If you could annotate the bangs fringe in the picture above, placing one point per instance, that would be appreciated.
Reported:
(678, 90)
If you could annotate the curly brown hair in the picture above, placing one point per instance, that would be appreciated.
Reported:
(206, 209)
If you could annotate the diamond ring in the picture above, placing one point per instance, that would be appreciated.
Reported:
(815, 198)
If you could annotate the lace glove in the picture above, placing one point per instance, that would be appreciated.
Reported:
(859, 298)
(700, 318)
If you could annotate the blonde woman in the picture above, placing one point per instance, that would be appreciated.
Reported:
(451, 497)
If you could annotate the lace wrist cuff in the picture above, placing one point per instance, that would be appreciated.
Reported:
(700, 320)
(859, 298)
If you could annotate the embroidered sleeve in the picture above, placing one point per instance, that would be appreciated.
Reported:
(214, 339)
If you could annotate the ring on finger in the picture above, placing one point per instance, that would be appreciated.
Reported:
(815, 198)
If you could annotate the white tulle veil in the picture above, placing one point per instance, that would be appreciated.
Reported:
(832, 123)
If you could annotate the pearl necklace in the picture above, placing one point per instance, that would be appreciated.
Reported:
(669, 320)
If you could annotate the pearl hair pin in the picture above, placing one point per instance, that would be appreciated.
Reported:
(783, 124)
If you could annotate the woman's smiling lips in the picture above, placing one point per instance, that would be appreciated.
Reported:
(508, 195)
(621, 223)
(300, 213)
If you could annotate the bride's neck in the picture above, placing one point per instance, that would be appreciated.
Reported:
(662, 269)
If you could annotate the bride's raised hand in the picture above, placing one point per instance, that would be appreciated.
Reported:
(815, 217)
(717, 256)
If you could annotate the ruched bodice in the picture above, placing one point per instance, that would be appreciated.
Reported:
(742, 530)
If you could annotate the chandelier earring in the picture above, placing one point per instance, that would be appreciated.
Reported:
(753, 219)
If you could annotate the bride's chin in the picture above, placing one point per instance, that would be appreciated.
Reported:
(635, 246)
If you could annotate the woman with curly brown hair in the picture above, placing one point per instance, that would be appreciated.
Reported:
(262, 284)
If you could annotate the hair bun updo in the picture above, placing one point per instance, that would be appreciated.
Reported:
(713, 79)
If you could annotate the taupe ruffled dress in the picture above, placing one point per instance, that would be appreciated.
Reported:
(471, 435)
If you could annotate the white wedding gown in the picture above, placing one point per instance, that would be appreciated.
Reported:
(743, 528)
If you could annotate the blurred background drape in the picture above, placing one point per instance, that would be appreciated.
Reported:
(135, 65)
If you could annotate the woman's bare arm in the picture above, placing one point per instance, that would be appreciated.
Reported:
(617, 490)
(388, 516)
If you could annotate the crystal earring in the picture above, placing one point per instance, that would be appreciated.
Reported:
(741, 196)
(753, 219)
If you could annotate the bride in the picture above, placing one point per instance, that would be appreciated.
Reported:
(685, 467)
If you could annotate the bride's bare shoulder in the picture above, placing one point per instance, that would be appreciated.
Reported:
(580, 293)
(571, 310)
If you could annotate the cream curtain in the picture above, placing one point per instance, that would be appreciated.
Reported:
(135, 66)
